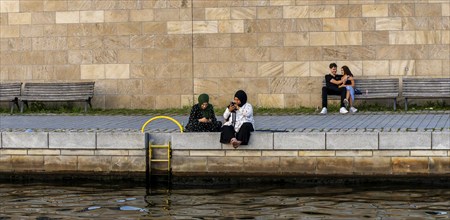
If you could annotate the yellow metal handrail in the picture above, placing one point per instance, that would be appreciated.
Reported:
(162, 117)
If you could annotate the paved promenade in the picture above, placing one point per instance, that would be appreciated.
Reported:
(377, 121)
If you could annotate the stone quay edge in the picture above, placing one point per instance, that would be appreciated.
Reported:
(268, 153)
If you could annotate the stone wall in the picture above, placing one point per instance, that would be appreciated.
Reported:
(315, 153)
(279, 153)
(56, 152)
(163, 53)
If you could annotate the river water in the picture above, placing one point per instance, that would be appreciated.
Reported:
(266, 201)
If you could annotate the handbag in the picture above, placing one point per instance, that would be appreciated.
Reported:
(358, 92)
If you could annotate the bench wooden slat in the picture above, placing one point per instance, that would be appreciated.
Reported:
(408, 95)
(417, 91)
(59, 98)
(10, 92)
(56, 92)
(420, 88)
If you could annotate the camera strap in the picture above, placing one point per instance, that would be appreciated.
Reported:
(233, 118)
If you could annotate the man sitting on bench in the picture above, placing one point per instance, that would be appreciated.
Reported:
(332, 88)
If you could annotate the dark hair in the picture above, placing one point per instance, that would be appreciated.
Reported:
(347, 70)
(332, 65)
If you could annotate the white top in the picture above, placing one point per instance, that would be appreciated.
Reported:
(244, 114)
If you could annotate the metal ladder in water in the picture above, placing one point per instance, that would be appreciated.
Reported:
(151, 160)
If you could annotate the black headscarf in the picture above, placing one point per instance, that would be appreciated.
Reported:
(242, 96)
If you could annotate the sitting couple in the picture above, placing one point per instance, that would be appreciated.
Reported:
(238, 125)
(343, 85)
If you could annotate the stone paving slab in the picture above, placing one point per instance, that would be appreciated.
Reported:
(407, 122)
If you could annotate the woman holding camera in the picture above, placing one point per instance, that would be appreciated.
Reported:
(202, 117)
(238, 121)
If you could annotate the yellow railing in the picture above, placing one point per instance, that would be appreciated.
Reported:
(162, 117)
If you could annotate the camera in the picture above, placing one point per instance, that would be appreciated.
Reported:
(232, 104)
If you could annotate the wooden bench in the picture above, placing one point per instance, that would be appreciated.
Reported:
(58, 92)
(425, 88)
(10, 92)
(376, 89)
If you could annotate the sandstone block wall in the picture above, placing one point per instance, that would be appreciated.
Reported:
(315, 153)
(65, 152)
(283, 154)
(163, 53)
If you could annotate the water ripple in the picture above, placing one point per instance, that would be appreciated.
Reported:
(40, 201)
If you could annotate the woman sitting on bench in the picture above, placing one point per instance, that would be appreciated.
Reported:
(348, 82)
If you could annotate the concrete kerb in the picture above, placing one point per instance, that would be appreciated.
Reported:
(72, 140)
(352, 141)
(440, 140)
(404, 140)
(210, 141)
(299, 141)
(24, 140)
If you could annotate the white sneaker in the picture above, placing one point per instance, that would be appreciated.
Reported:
(353, 109)
(324, 111)
(346, 103)
(343, 110)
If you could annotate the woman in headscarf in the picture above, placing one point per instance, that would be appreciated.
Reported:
(202, 117)
(239, 121)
